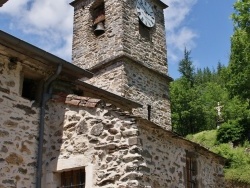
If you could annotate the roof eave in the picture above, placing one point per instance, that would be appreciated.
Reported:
(25, 48)
(163, 4)
(2, 2)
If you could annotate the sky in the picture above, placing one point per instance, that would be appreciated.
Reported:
(204, 27)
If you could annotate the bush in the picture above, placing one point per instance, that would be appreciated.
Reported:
(231, 131)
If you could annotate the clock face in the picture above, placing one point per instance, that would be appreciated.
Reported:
(145, 13)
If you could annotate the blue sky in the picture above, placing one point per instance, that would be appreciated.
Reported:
(210, 27)
(203, 26)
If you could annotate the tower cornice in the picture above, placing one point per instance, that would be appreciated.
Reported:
(75, 2)
(123, 57)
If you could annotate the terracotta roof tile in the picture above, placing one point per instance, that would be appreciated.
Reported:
(90, 104)
(76, 100)
(73, 102)
(94, 100)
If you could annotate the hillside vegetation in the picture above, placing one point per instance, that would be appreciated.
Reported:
(238, 158)
(204, 99)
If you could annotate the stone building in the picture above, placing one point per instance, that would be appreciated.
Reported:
(103, 121)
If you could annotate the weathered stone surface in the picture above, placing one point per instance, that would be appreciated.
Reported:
(146, 153)
(113, 131)
(121, 37)
(11, 182)
(28, 110)
(130, 133)
(4, 133)
(97, 130)
(144, 169)
(164, 156)
(22, 171)
(4, 90)
(14, 158)
(10, 123)
(140, 75)
(82, 127)
(25, 149)
(142, 85)
(18, 130)
(230, 184)
(134, 141)
(4, 149)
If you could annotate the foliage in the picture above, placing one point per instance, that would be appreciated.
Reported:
(195, 94)
(238, 160)
(187, 114)
(194, 97)
(239, 66)
(186, 68)
(241, 16)
(236, 109)
(204, 138)
(231, 131)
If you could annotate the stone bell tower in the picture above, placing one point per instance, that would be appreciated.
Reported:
(123, 43)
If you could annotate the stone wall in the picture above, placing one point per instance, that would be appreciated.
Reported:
(121, 36)
(119, 150)
(81, 137)
(148, 88)
(18, 130)
(139, 84)
(152, 53)
(140, 74)
(88, 49)
(164, 163)
(231, 184)
(111, 78)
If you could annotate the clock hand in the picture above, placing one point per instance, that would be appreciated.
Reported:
(145, 12)
(145, 9)
(143, 6)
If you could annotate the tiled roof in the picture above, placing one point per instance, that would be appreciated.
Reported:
(77, 100)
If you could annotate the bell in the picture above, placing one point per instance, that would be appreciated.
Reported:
(99, 29)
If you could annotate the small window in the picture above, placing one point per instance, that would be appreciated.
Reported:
(30, 88)
(98, 17)
(31, 85)
(144, 31)
(149, 112)
(191, 171)
(73, 179)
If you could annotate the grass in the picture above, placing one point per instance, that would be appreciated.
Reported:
(238, 160)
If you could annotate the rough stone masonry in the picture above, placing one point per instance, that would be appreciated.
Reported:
(123, 61)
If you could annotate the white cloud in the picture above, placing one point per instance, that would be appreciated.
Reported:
(15, 7)
(49, 21)
(184, 37)
(178, 41)
(177, 11)
(178, 34)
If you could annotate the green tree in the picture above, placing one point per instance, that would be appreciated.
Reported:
(241, 16)
(187, 113)
(239, 66)
(194, 97)
(186, 68)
